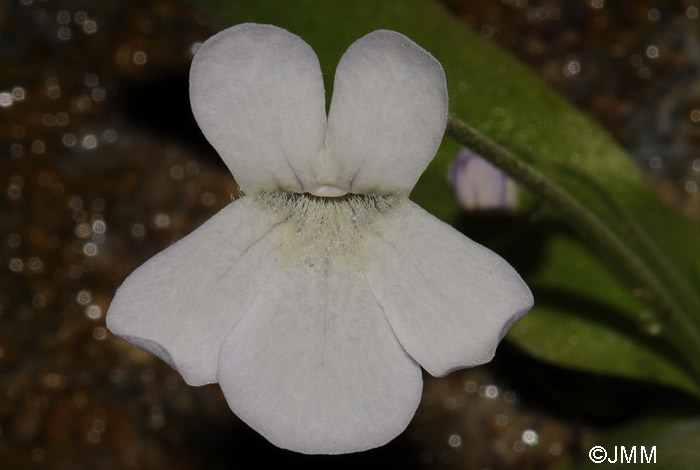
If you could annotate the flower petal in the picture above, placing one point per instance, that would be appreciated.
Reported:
(314, 366)
(181, 304)
(448, 299)
(257, 94)
(387, 115)
(478, 185)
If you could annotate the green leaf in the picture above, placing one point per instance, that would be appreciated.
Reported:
(507, 102)
(673, 440)
(587, 320)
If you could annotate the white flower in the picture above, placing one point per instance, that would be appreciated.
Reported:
(314, 299)
(478, 185)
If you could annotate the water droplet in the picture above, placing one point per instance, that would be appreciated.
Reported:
(653, 52)
(64, 33)
(90, 249)
(18, 93)
(91, 79)
(530, 437)
(5, 99)
(487, 31)
(16, 150)
(63, 17)
(654, 14)
(69, 140)
(35, 264)
(89, 142)
(82, 230)
(450, 403)
(140, 58)
(489, 391)
(177, 172)
(90, 27)
(161, 220)
(14, 240)
(98, 204)
(83, 297)
(80, 399)
(38, 454)
(14, 191)
(653, 329)
(99, 425)
(93, 436)
(455, 440)
(80, 17)
(38, 147)
(62, 119)
(572, 68)
(74, 272)
(109, 136)
(39, 300)
(48, 120)
(99, 226)
(93, 312)
(695, 115)
(138, 230)
(98, 94)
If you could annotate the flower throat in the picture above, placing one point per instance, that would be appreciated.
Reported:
(328, 225)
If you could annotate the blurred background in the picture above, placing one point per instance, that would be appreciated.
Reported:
(102, 166)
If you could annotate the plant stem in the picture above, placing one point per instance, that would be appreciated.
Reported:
(591, 228)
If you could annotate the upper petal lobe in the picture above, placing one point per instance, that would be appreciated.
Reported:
(257, 94)
(387, 115)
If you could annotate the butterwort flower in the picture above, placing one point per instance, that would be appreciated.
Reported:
(478, 185)
(315, 299)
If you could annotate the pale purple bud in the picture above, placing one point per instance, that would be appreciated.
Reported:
(478, 185)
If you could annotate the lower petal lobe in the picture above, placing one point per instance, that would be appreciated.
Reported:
(314, 366)
(181, 304)
(448, 299)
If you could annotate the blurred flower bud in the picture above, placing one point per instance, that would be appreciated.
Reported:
(478, 185)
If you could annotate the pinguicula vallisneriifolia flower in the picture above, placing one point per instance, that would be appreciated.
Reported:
(315, 299)
(479, 186)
